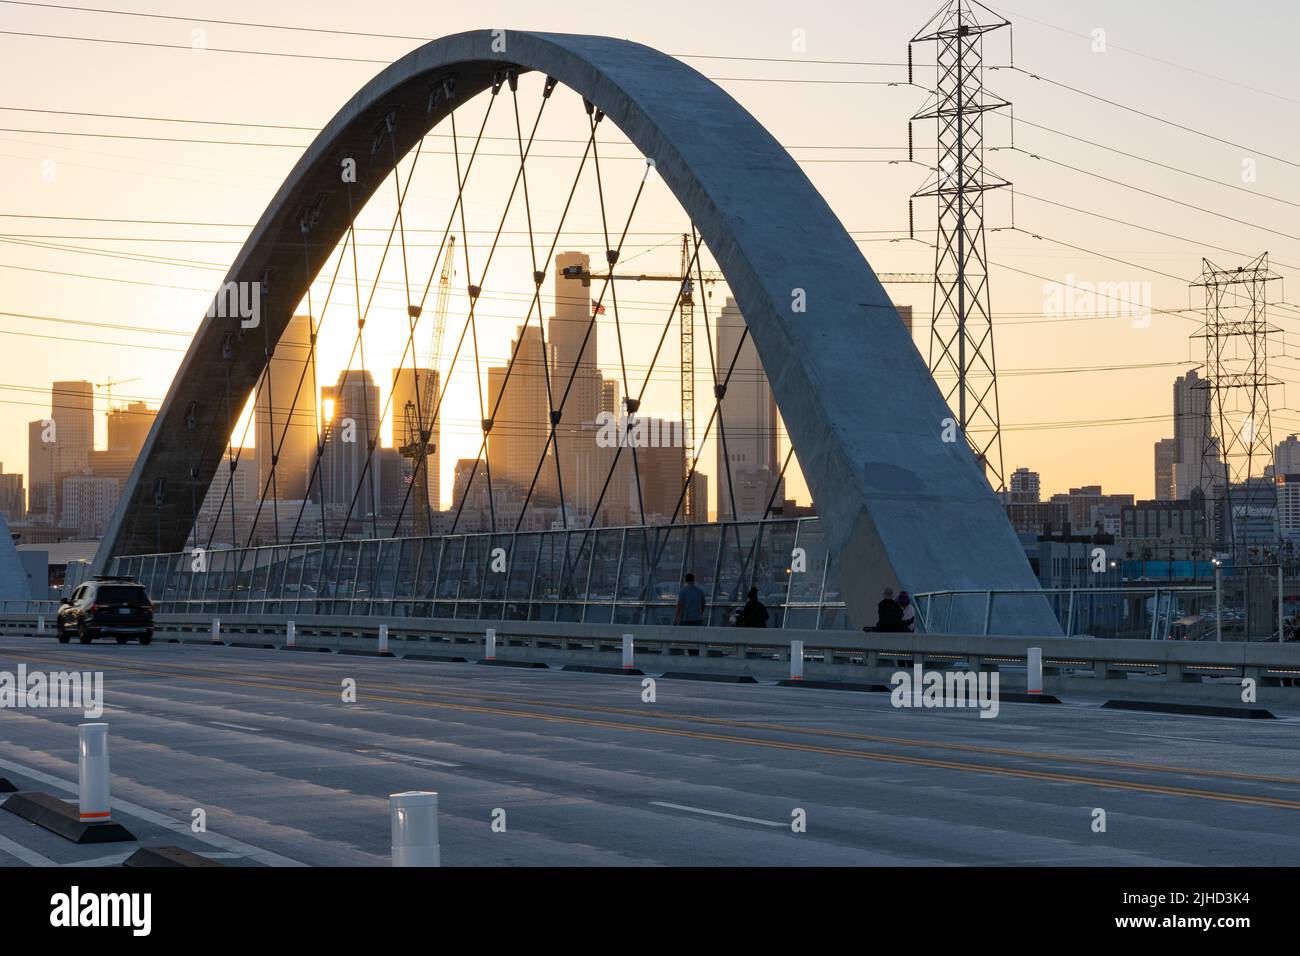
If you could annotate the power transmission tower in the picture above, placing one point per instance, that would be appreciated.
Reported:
(961, 331)
(1238, 444)
(686, 307)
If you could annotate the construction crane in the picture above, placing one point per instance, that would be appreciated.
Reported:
(686, 305)
(419, 424)
(108, 389)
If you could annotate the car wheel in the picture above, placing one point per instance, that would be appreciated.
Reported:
(146, 639)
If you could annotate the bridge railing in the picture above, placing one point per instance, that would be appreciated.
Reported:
(596, 575)
(1133, 613)
(763, 653)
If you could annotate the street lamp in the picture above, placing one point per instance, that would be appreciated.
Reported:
(1218, 600)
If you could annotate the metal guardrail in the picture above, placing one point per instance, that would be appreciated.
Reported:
(839, 653)
(1110, 611)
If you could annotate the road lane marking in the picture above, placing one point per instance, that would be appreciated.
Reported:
(783, 728)
(717, 813)
(267, 857)
(408, 758)
(115, 860)
(1027, 774)
(218, 723)
(30, 857)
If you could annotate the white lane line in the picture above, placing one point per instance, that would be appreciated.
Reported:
(30, 857)
(717, 813)
(115, 860)
(408, 758)
(1195, 740)
(266, 857)
(218, 723)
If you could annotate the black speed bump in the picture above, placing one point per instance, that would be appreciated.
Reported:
(1201, 710)
(59, 816)
(600, 669)
(718, 678)
(152, 856)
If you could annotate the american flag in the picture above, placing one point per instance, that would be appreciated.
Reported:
(597, 308)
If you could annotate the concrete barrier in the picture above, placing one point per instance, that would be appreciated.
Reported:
(1073, 663)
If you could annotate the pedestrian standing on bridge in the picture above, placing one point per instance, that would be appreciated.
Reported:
(909, 612)
(889, 614)
(754, 613)
(690, 604)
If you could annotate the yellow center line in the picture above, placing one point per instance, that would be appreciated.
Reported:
(1040, 775)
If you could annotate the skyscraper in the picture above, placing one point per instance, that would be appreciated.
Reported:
(520, 427)
(1191, 401)
(584, 464)
(1166, 457)
(60, 445)
(354, 422)
(1025, 486)
(285, 414)
(72, 406)
(747, 467)
(1286, 457)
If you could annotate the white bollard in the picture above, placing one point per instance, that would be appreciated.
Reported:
(796, 660)
(627, 652)
(1034, 669)
(490, 645)
(290, 634)
(383, 638)
(92, 772)
(40, 625)
(414, 816)
(216, 630)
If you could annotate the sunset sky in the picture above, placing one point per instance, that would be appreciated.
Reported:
(114, 233)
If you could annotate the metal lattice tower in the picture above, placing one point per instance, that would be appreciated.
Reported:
(1238, 435)
(961, 331)
(686, 313)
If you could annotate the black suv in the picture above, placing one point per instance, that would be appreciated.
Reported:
(106, 607)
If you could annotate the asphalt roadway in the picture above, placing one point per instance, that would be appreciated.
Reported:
(577, 769)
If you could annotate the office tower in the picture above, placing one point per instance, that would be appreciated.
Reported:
(1166, 453)
(1286, 457)
(88, 502)
(285, 414)
(584, 464)
(394, 476)
(65, 448)
(13, 503)
(567, 331)
(1087, 505)
(128, 427)
(412, 389)
(520, 426)
(41, 470)
(347, 483)
(748, 419)
(1191, 400)
(609, 396)
(72, 406)
(1025, 487)
(231, 501)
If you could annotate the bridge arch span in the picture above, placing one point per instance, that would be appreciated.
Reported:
(900, 506)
